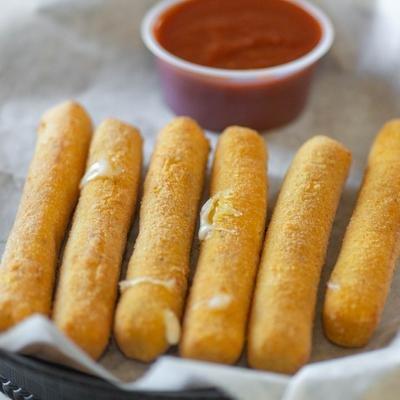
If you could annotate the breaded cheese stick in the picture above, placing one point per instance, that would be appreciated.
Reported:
(150, 307)
(361, 278)
(280, 330)
(232, 229)
(49, 196)
(85, 297)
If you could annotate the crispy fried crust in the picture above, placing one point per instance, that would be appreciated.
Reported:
(280, 330)
(90, 269)
(216, 314)
(50, 193)
(168, 212)
(361, 279)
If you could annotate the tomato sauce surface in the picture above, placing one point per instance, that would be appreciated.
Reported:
(237, 34)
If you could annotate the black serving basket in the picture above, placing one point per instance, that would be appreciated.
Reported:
(26, 378)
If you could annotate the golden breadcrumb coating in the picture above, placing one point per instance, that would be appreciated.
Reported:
(216, 315)
(90, 269)
(148, 312)
(49, 196)
(361, 278)
(280, 331)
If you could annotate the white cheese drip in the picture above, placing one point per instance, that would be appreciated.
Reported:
(219, 301)
(333, 286)
(169, 284)
(172, 327)
(207, 225)
(98, 169)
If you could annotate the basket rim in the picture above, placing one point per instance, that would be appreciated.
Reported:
(70, 376)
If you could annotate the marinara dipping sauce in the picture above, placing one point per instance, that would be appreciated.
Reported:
(245, 62)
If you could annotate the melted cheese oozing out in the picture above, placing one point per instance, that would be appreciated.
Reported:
(215, 204)
(167, 283)
(333, 286)
(205, 223)
(172, 327)
(98, 169)
(219, 301)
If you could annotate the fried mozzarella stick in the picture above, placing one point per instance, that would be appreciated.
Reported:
(280, 330)
(150, 307)
(232, 228)
(90, 269)
(361, 279)
(49, 196)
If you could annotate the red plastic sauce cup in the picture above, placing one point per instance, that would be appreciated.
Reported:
(261, 98)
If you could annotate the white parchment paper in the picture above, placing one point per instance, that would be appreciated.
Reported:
(52, 50)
